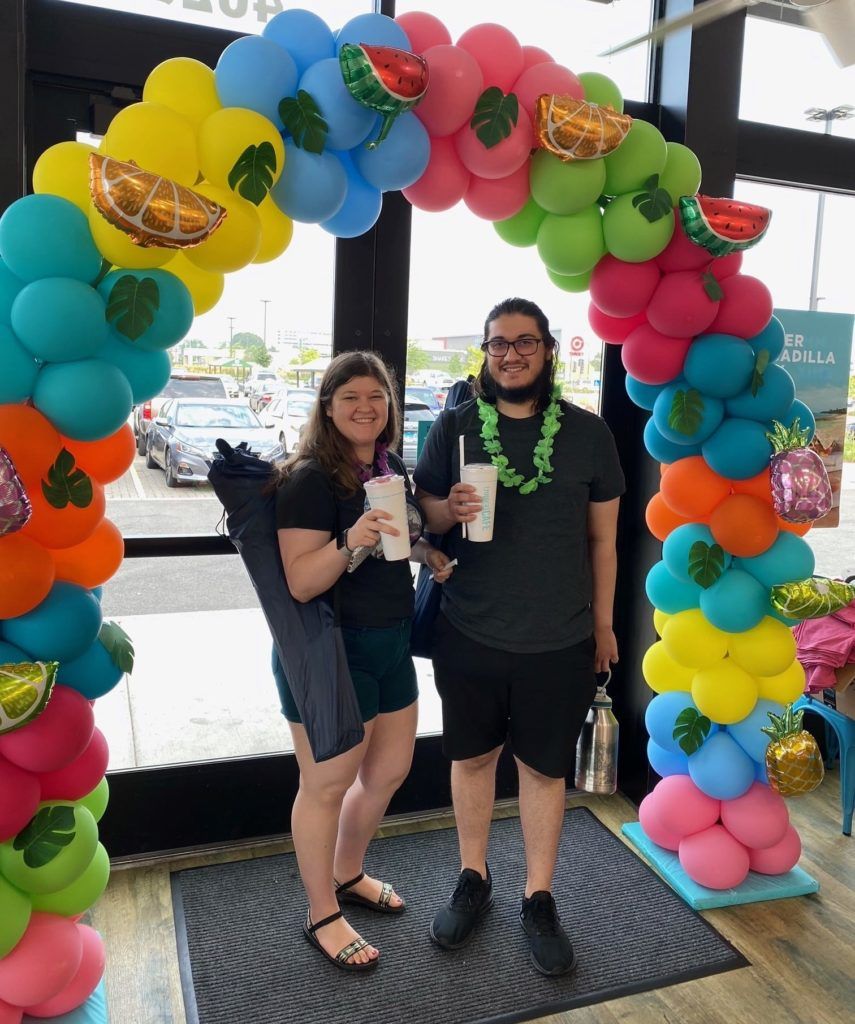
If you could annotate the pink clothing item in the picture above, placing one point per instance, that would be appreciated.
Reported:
(824, 645)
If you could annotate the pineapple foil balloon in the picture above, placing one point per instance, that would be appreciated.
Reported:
(801, 491)
(793, 761)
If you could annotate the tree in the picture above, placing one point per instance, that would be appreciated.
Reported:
(417, 358)
(246, 340)
(257, 353)
(474, 359)
(455, 365)
(308, 355)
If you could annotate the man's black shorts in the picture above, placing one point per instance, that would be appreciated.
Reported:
(537, 701)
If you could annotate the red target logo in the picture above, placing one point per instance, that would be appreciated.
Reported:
(577, 346)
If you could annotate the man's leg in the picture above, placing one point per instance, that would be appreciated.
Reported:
(473, 791)
(541, 816)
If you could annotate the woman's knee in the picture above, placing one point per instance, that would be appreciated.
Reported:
(325, 791)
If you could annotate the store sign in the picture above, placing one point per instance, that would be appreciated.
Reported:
(817, 354)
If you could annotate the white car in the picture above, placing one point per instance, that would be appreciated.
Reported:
(287, 415)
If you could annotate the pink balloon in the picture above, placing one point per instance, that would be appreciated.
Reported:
(654, 358)
(20, 794)
(60, 733)
(612, 329)
(498, 198)
(500, 160)
(745, 309)
(43, 962)
(780, 858)
(84, 982)
(423, 30)
(682, 254)
(681, 808)
(10, 1014)
(714, 858)
(534, 55)
(623, 289)
(680, 307)
(455, 84)
(80, 777)
(758, 819)
(497, 51)
(726, 266)
(649, 821)
(444, 182)
(545, 78)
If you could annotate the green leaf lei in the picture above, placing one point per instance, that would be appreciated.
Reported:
(508, 476)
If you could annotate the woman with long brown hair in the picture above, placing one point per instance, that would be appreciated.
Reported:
(322, 521)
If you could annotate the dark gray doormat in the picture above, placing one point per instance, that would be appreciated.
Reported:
(244, 959)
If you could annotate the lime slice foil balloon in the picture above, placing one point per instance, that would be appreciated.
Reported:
(25, 689)
(812, 598)
(385, 79)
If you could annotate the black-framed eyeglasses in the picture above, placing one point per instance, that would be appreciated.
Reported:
(524, 346)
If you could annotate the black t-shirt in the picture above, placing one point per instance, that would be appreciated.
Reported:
(529, 589)
(378, 594)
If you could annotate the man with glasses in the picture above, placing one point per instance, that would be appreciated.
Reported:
(526, 620)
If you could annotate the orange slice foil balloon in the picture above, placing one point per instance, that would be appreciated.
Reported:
(575, 130)
(153, 211)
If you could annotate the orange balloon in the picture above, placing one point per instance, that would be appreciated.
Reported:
(26, 575)
(759, 486)
(30, 440)
(661, 520)
(744, 525)
(64, 527)
(95, 560)
(799, 529)
(107, 458)
(691, 489)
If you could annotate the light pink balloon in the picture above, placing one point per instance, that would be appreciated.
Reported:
(455, 84)
(757, 819)
(497, 51)
(500, 160)
(649, 821)
(423, 30)
(680, 307)
(745, 309)
(84, 982)
(682, 254)
(534, 55)
(444, 182)
(10, 1014)
(681, 808)
(545, 78)
(498, 198)
(43, 962)
(613, 330)
(60, 733)
(714, 858)
(623, 289)
(20, 794)
(80, 777)
(726, 266)
(654, 358)
(780, 858)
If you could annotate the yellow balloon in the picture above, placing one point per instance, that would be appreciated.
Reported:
(226, 135)
(116, 247)
(277, 230)
(724, 692)
(63, 170)
(659, 620)
(205, 286)
(184, 85)
(236, 241)
(662, 673)
(692, 640)
(155, 138)
(785, 687)
(765, 650)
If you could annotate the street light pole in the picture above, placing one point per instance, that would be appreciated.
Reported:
(265, 303)
(231, 321)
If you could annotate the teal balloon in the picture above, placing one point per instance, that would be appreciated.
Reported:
(771, 338)
(304, 34)
(721, 768)
(669, 594)
(735, 602)
(18, 368)
(747, 733)
(788, 560)
(661, 717)
(574, 244)
(720, 365)
(771, 401)
(663, 450)
(710, 410)
(738, 449)
(775, 614)
(146, 372)
(60, 319)
(92, 674)
(47, 236)
(798, 410)
(9, 288)
(665, 762)
(61, 627)
(641, 394)
(314, 187)
(678, 544)
(86, 400)
(172, 318)
(9, 654)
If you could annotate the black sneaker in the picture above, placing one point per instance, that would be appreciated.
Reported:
(454, 924)
(551, 951)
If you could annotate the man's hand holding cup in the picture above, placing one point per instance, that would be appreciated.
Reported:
(464, 503)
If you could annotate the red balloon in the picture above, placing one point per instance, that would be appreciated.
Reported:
(43, 962)
(498, 198)
(549, 78)
(20, 795)
(79, 777)
(623, 289)
(456, 82)
(780, 858)
(84, 982)
(745, 309)
(654, 358)
(500, 160)
(682, 254)
(726, 266)
(534, 55)
(10, 1014)
(497, 51)
(680, 306)
(714, 858)
(444, 182)
(758, 819)
(59, 735)
(423, 30)
(612, 329)
(649, 821)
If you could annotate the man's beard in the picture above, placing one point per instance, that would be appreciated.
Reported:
(526, 392)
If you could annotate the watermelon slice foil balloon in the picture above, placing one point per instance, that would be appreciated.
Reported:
(15, 507)
(723, 226)
(25, 689)
(385, 79)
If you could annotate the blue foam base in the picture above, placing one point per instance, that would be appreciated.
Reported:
(93, 1011)
(754, 889)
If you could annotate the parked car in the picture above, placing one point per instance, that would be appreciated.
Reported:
(255, 382)
(231, 385)
(181, 439)
(263, 393)
(424, 396)
(287, 415)
(179, 385)
(414, 413)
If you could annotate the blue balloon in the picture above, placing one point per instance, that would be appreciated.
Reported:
(721, 768)
(303, 34)
(401, 158)
(661, 716)
(739, 449)
(9, 288)
(11, 655)
(60, 319)
(747, 732)
(86, 400)
(172, 318)
(798, 410)
(678, 544)
(47, 236)
(18, 369)
(314, 186)
(788, 560)
(256, 73)
(761, 774)
(61, 627)
(668, 594)
(663, 450)
(373, 29)
(770, 338)
(665, 762)
(712, 412)
(361, 206)
(772, 401)
(643, 395)
(349, 122)
(720, 365)
(97, 593)
(146, 372)
(735, 602)
(92, 674)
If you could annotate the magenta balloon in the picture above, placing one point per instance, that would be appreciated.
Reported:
(19, 798)
(681, 254)
(423, 30)
(654, 358)
(59, 735)
(84, 982)
(613, 330)
(534, 55)
(80, 777)
(455, 84)
(714, 858)
(780, 858)
(746, 308)
(680, 307)
(649, 821)
(545, 78)
(681, 808)
(444, 182)
(758, 819)
(500, 160)
(497, 51)
(43, 963)
(498, 198)
(623, 289)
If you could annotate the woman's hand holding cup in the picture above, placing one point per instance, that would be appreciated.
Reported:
(464, 503)
(366, 531)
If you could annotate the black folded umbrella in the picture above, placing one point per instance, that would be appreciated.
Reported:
(306, 636)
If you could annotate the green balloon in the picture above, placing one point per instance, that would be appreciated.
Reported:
(83, 891)
(682, 174)
(96, 801)
(572, 245)
(55, 866)
(602, 90)
(629, 235)
(522, 228)
(565, 187)
(15, 910)
(641, 154)
(570, 283)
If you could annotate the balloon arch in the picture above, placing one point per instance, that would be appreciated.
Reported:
(105, 266)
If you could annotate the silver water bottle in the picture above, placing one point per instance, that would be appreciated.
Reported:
(597, 747)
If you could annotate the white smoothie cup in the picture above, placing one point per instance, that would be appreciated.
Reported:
(484, 477)
(388, 493)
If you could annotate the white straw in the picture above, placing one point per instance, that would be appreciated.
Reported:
(462, 464)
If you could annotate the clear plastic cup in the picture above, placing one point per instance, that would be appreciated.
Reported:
(484, 477)
(389, 494)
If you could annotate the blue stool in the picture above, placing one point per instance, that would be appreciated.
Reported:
(843, 729)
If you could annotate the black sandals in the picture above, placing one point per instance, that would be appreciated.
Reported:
(381, 904)
(341, 958)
